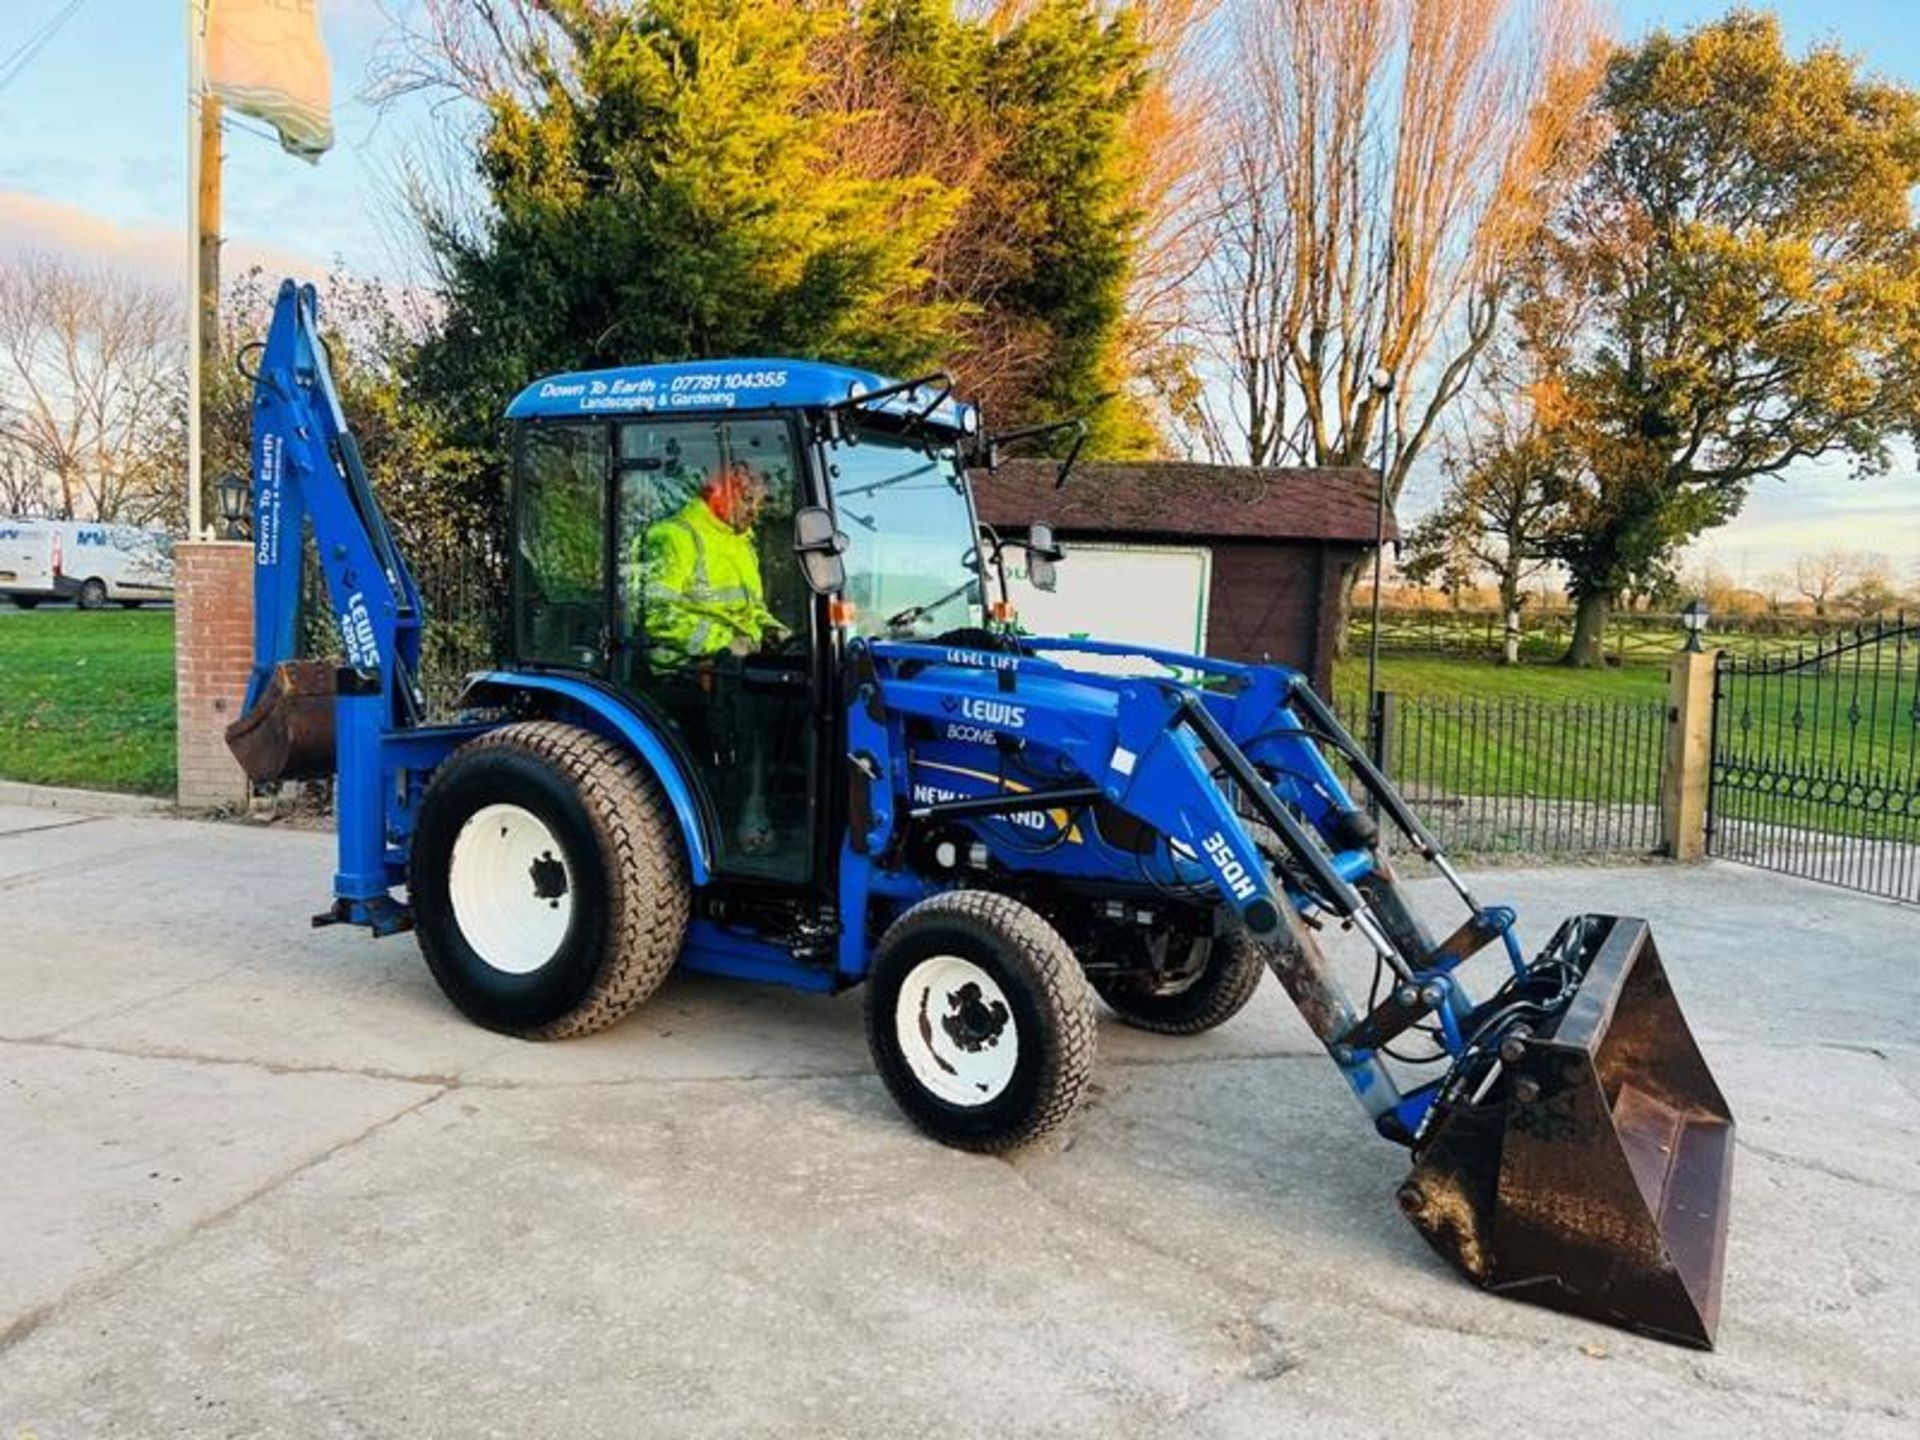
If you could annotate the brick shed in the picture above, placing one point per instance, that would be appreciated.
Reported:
(1275, 539)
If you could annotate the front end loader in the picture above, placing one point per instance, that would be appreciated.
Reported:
(807, 749)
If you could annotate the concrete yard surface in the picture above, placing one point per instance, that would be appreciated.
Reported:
(262, 1180)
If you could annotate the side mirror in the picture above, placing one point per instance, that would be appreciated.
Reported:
(819, 547)
(1043, 554)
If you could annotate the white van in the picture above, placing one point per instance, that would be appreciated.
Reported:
(83, 561)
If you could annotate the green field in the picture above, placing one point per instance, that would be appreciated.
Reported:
(87, 698)
(1459, 677)
(1831, 750)
(1465, 727)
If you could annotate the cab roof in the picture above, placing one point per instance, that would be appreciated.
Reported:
(696, 386)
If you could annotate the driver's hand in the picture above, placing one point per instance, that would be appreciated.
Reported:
(743, 645)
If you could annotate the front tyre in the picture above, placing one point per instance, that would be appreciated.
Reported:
(93, 594)
(979, 1021)
(1193, 1003)
(548, 881)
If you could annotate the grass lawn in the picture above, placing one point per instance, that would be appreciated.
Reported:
(87, 698)
(1457, 678)
(1535, 731)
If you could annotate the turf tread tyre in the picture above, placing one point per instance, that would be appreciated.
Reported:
(1036, 960)
(1234, 969)
(644, 864)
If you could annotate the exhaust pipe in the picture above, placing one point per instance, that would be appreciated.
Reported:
(1590, 1170)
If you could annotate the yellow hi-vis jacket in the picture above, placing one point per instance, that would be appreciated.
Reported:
(702, 588)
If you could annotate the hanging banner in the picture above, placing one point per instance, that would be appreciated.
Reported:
(265, 59)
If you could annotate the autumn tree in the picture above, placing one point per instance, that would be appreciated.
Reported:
(1507, 463)
(897, 183)
(1499, 510)
(91, 390)
(1032, 109)
(1383, 164)
(1744, 257)
(659, 187)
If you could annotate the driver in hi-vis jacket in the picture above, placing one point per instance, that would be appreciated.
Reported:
(701, 571)
(704, 606)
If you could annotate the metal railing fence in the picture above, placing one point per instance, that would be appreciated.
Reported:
(1816, 761)
(1523, 778)
(1632, 637)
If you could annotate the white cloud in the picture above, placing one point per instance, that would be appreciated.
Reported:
(155, 252)
(1819, 507)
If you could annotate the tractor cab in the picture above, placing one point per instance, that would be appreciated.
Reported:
(702, 537)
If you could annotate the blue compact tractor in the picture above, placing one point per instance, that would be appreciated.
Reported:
(765, 715)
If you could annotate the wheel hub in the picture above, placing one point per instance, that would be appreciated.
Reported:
(957, 1031)
(511, 890)
(972, 1022)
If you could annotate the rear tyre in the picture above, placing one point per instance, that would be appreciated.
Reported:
(27, 602)
(1197, 1003)
(979, 1021)
(129, 604)
(548, 881)
(93, 594)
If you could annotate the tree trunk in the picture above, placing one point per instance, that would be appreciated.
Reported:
(1510, 615)
(1589, 633)
(1347, 577)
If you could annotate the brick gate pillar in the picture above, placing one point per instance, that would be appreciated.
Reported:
(212, 653)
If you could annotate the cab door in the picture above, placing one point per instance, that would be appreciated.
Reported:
(713, 626)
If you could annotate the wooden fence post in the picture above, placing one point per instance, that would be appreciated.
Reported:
(1683, 790)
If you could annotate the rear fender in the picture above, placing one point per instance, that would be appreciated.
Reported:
(594, 708)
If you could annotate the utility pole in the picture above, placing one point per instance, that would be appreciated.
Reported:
(208, 240)
(203, 247)
(1381, 379)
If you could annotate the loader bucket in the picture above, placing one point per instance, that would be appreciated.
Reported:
(1592, 1174)
(288, 734)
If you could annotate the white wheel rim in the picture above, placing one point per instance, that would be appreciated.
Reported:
(511, 888)
(955, 1028)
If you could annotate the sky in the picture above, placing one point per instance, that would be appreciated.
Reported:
(94, 164)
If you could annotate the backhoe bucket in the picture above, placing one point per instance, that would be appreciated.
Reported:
(288, 734)
(1591, 1174)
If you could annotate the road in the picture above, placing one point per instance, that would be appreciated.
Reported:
(261, 1181)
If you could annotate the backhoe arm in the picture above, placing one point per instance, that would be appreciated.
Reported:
(307, 471)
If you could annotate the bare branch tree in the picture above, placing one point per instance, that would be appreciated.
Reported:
(1820, 576)
(90, 387)
(23, 485)
(1385, 163)
(470, 50)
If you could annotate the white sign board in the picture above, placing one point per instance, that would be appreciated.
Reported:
(1147, 594)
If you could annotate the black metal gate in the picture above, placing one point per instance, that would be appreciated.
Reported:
(1816, 761)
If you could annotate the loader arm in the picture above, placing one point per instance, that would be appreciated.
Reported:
(1569, 1145)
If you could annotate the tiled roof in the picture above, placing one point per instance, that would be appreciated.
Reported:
(1180, 498)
